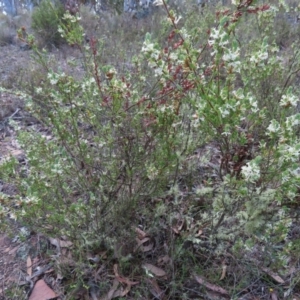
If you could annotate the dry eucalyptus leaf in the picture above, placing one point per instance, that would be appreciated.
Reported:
(13, 250)
(112, 291)
(144, 248)
(29, 266)
(275, 276)
(163, 260)
(65, 244)
(141, 242)
(155, 290)
(211, 286)
(54, 242)
(147, 248)
(200, 232)
(123, 279)
(141, 234)
(224, 268)
(41, 291)
(154, 270)
(274, 296)
(60, 243)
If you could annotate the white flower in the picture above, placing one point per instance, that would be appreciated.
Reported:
(173, 56)
(259, 57)
(231, 56)
(263, 55)
(226, 133)
(274, 127)
(292, 121)
(293, 153)
(254, 105)
(251, 171)
(158, 71)
(177, 20)
(38, 90)
(155, 55)
(224, 111)
(218, 37)
(289, 100)
(60, 30)
(158, 3)
(184, 32)
(13, 216)
(226, 108)
(289, 153)
(53, 79)
(147, 47)
(152, 172)
(31, 200)
(239, 94)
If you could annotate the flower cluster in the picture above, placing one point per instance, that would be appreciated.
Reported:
(218, 38)
(251, 171)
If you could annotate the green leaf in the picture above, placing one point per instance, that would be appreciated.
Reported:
(265, 41)
(224, 20)
(148, 36)
(234, 45)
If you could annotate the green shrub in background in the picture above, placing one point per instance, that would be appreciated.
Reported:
(45, 20)
(117, 145)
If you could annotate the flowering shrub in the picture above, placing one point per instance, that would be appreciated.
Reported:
(114, 144)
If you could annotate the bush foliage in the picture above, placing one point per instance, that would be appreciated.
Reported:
(122, 146)
(45, 21)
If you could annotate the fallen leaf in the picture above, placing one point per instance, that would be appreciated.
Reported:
(13, 250)
(41, 291)
(224, 268)
(122, 279)
(16, 153)
(60, 243)
(65, 244)
(199, 233)
(274, 296)
(111, 292)
(59, 277)
(175, 230)
(141, 234)
(116, 292)
(275, 276)
(154, 270)
(211, 286)
(163, 260)
(180, 224)
(141, 246)
(155, 290)
(93, 258)
(178, 227)
(147, 248)
(55, 243)
(29, 266)
(141, 242)
(121, 292)
(217, 296)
